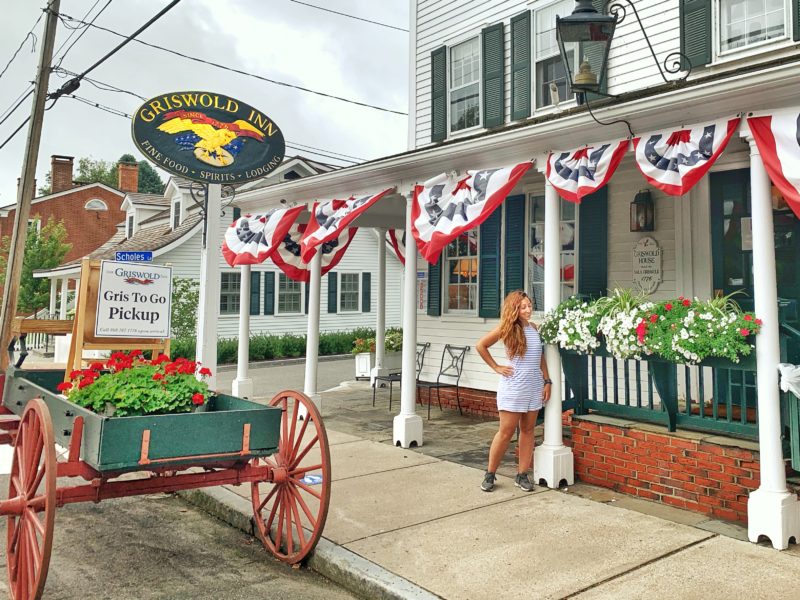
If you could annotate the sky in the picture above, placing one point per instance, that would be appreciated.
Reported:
(277, 39)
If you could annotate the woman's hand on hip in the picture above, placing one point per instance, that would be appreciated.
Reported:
(546, 395)
(505, 371)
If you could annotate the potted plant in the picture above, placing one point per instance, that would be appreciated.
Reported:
(364, 352)
(129, 385)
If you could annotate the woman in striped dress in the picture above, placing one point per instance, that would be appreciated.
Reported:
(524, 385)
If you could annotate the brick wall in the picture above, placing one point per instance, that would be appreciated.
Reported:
(86, 229)
(692, 474)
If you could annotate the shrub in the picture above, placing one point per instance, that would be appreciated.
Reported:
(227, 350)
(292, 345)
(263, 347)
(183, 348)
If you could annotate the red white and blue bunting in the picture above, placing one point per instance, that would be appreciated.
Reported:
(444, 208)
(583, 171)
(330, 217)
(397, 239)
(251, 239)
(674, 160)
(778, 139)
(288, 259)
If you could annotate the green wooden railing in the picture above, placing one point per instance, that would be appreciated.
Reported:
(715, 396)
(790, 353)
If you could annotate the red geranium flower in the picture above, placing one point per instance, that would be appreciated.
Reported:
(205, 371)
(74, 374)
(744, 332)
(158, 376)
(758, 322)
(668, 306)
(63, 386)
(198, 398)
(96, 366)
(653, 318)
(641, 330)
(686, 302)
(748, 318)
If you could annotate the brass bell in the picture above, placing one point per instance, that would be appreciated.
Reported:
(585, 75)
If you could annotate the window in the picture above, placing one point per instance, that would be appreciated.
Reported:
(290, 296)
(349, 292)
(536, 252)
(176, 215)
(95, 205)
(744, 23)
(551, 76)
(130, 226)
(461, 270)
(230, 285)
(34, 225)
(465, 88)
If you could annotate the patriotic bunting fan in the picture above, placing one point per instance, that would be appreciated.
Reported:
(330, 217)
(443, 209)
(578, 173)
(778, 139)
(251, 239)
(397, 238)
(675, 160)
(288, 260)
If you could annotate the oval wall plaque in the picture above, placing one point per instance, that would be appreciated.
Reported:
(207, 137)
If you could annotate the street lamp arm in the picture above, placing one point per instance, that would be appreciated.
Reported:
(674, 62)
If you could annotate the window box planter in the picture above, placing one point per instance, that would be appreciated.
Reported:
(365, 361)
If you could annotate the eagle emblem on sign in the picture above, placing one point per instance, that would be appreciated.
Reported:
(213, 142)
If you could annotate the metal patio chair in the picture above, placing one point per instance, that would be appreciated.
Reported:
(397, 377)
(451, 367)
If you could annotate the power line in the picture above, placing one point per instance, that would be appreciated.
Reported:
(240, 72)
(9, 138)
(13, 104)
(11, 112)
(25, 39)
(85, 29)
(100, 85)
(349, 16)
(357, 158)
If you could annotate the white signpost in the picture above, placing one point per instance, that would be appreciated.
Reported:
(133, 301)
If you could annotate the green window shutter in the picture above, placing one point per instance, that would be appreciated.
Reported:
(595, 58)
(269, 293)
(521, 66)
(332, 292)
(439, 94)
(237, 213)
(796, 25)
(593, 244)
(366, 291)
(514, 267)
(695, 18)
(434, 287)
(489, 266)
(494, 99)
(255, 292)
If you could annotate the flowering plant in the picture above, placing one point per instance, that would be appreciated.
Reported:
(572, 325)
(392, 342)
(135, 386)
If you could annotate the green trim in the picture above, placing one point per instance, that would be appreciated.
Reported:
(593, 244)
(435, 288)
(333, 300)
(489, 253)
(439, 94)
(521, 66)
(494, 75)
(255, 292)
(366, 292)
(696, 38)
(515, 254)
(269, 292)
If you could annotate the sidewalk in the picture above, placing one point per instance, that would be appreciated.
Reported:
(415, 524)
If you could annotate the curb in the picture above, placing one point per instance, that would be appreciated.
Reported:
(353, 572)
(280, 362)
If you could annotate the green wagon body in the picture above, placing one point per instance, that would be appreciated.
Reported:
(115, 444)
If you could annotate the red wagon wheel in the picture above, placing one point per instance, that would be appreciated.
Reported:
(31, 504)
(291, 515)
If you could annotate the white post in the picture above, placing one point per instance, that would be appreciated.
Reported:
(407, 426)
(208, 306)
(552, 461)
(242, 386)
(771, 510)
(62, 309)
(51, 311)
(380, 322)
(312, 333)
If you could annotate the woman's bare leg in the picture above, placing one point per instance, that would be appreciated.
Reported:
(508, 425)
(526, 426)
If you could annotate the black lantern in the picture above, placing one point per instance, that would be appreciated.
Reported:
(643, 212)
(584, 39)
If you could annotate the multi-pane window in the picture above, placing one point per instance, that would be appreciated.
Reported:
(130, 226)
(465, 77)
(230, 284)
(349, 292)
(749, 22)
(551, 76)
(95, 204)
(290, 295)
(461, 270)
(536, 252)
(176, 215)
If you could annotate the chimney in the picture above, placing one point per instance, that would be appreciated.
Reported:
(128, 177)
(60, 173)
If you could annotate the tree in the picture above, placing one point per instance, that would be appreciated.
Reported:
(106, 172)
(185, 298)
(44, 249)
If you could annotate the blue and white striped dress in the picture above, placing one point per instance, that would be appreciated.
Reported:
(524, 390)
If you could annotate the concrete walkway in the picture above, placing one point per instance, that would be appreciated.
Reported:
(415, 524)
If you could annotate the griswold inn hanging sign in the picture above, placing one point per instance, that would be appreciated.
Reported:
(207, 137)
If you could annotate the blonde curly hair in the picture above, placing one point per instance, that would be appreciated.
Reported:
(511, 328)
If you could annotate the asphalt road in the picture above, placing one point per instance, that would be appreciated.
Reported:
(159, 547)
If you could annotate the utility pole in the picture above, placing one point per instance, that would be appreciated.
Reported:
(25, 194)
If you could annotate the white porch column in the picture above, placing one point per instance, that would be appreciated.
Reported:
(312, 333)
(380, 322)
(407, 426)
(62, 309)
(552, 461)
(771, 510)
(53, 290)
(242, 386)
(208, 306)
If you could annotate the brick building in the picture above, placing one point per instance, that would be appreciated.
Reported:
(90, 212)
